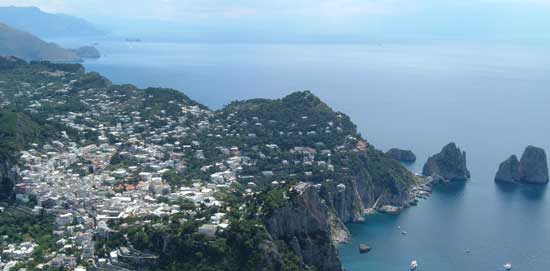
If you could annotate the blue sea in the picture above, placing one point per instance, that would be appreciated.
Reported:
(492, 99)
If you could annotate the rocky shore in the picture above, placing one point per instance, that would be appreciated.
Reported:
(421, 190)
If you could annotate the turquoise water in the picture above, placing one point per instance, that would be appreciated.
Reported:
(491, 99)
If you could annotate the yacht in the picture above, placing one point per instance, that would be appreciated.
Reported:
(508, 266)
(414, 265)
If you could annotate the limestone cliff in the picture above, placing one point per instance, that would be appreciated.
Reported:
(305, 225)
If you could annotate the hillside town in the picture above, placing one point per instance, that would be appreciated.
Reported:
(132, 159)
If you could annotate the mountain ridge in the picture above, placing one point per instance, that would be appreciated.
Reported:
(24, 45)
(47, 25)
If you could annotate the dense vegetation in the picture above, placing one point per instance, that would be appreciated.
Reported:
(17, 130)
(16, 225)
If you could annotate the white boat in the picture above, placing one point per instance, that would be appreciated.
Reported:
(508, 266)
(414, 265)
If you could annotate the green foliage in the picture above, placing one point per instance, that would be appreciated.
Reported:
(299, 112)
(175, 179)
(273, 199)
(21, 44)
(19, 226)
(17, 130)
(387, 172)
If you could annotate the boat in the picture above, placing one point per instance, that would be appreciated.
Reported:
(404, 233)
(364, 248)
(414, 265)
(133, 40)
(508, 266)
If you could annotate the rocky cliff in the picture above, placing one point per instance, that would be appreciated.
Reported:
(306, 226)
(406, 156)
(376, 179)
(313, 224)
(449, 164)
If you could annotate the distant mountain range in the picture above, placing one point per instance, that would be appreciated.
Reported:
(47, 25)
(26, 46)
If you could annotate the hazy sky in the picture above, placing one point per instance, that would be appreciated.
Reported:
(350, 19)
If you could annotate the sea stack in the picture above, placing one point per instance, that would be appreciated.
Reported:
(508, 171)
(532, 168)
(400, 155)
(449, 164)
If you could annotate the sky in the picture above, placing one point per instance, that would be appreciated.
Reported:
(326, 20)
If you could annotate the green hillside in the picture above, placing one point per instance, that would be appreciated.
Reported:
(26, 46)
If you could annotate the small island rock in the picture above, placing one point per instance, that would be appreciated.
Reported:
(508, 171)
(406, 156)
(450, 164)
(88, 52)
(533, 166)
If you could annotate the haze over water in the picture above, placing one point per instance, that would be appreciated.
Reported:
(491, 99)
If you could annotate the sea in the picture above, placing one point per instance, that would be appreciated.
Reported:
(491, 98)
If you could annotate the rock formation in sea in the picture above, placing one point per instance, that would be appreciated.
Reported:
(508, 171)
(532, 168)
(406, 156)
(88, 52)
(449, 164)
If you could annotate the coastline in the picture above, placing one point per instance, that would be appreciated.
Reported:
(422, 190)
